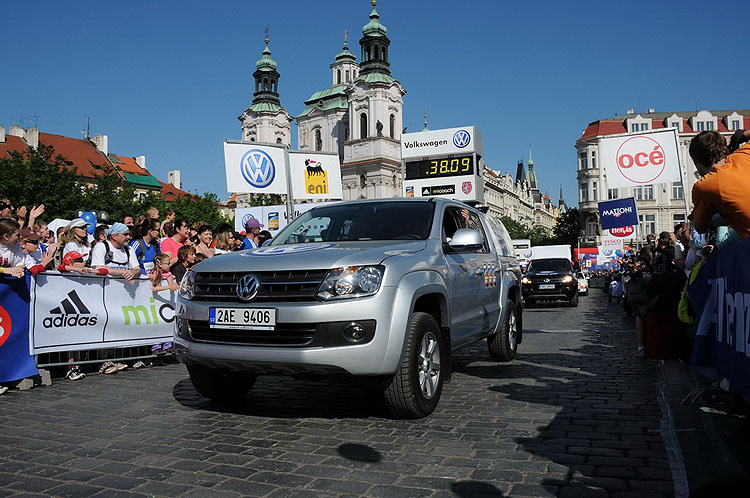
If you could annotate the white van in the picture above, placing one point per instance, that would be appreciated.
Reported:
(555, 251)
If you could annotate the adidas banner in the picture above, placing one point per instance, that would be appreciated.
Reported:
(15, 361)
(71, 312)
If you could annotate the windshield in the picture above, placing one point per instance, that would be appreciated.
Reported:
(540, 265)
(366, 221)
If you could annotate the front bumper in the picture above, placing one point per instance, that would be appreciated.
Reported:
(560, 291)
(322, 350)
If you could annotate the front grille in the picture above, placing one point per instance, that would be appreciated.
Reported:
(275, 286)
(283, 334)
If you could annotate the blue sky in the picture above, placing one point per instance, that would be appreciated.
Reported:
(168, 79)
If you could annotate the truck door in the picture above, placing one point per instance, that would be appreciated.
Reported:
(469, 272)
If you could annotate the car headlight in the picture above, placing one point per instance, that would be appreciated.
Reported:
(525, 280)
(187, 286)
(351, 281)
(567, 279)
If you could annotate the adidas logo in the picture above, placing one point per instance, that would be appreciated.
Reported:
(71, 313)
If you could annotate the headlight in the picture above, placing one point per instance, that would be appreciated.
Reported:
(187, 286)
(525, 280)
(567, 279)
(352, 281)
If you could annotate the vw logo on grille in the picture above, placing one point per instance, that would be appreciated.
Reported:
(546, 280)
(247, 287)
(461, 139)
(257, 168)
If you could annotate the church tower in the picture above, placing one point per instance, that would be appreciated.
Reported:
(266, 121)
(372, 152)
(532, 174)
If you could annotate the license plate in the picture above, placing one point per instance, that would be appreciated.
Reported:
(546, 286)
(242, 318)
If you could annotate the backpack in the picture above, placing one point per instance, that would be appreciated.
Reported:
(142, 250)
(108, 253)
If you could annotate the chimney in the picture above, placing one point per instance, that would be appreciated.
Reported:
(32, 137)
(2, 134)
(651, 110)
(141, 160)
(173, 177)
(629, 111)
(101, 142)
(17, 131)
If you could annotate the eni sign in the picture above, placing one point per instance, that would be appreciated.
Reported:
(443, 163)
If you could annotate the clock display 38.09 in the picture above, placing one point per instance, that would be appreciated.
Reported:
(438, 168)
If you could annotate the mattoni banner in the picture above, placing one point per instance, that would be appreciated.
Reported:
(642, 159)
(618, 213)
(77, 312)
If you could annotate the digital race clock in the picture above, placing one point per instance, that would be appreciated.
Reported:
(439, 168)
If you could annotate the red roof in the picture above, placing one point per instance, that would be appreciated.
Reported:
(613, 127)
(130, 165)
(169, 192)
(603, 127)
(12, 144)
(81, 154)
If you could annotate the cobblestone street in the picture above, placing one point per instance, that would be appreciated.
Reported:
(575, 415)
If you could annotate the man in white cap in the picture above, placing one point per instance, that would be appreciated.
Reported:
(115, 255)
(252, 229)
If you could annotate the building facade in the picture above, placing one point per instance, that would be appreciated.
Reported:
(660, 206)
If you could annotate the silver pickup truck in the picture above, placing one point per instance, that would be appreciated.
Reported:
(378, 290)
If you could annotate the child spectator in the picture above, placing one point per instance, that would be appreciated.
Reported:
(146, 245)
(161, 272)
(74, 262)
(100, 234)
(185, 261)
(12, 257)
(199, 258)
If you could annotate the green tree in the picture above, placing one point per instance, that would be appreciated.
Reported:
(38, 176)
(110, 194)
(539, 236)
(516, 229)
(568, 228)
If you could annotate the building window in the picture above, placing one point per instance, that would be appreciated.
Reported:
(363, 181)
(318, 140)
(647, 224)
(678, 219)
(709, 125)
(701, 126)
(593, 159)
(638, 193)
(393, 126)
(644, 126)
(634, 127)
(648, 192)
(677, 191)
(736, 124)
(338, 76)
(675, 124)
(584, 161)
(612, 193)
(591, 226)
(594, 197)
(363, 125)
(584, 192)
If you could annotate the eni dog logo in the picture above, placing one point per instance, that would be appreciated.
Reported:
(316, 178)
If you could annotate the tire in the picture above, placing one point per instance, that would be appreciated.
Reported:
(415, 389)
(219, 385)
(573, 303)
(503, 345)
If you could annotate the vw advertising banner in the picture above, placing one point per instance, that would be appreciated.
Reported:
(315, 176)
(618, 213)
(74, 312)
(256, 169)
(642, 159)
(463, 140)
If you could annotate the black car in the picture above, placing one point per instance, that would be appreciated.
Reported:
(551, 278)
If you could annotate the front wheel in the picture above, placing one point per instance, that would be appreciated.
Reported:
(219, 385)
(415, 389)
(503, 345)
(574, 301)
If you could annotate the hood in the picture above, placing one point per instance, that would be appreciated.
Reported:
(310, 256)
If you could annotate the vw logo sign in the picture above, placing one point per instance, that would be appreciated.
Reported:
(247, 217)
(257, 168)
(247, 287)
(461, 139)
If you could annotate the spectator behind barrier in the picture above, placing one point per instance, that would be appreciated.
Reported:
(115, 254)
(186, 260)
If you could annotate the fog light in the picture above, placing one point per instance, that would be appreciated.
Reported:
(354, 332)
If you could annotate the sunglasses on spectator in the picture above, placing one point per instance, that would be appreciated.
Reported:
(77, 260)
(4, 205)
(31, 241)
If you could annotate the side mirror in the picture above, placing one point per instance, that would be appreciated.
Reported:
(466, 239)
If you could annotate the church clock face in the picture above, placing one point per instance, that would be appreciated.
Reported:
(440, 168)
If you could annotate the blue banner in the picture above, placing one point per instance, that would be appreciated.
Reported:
(720, 296)
(618, 213)
(15, 361)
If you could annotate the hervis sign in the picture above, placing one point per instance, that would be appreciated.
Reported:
(642, 159)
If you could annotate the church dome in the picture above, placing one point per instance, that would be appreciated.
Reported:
(266, 63)
(374, 28)
(345, 54)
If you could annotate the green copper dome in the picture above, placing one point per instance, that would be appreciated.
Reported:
(266, 63)
(345, 54)
(374, 28)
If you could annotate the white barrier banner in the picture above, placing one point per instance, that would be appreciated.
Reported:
(71, 312)
(647, 158)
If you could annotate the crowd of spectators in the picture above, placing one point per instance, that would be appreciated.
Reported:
(140, 247)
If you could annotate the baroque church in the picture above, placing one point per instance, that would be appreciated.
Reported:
(359, 117)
